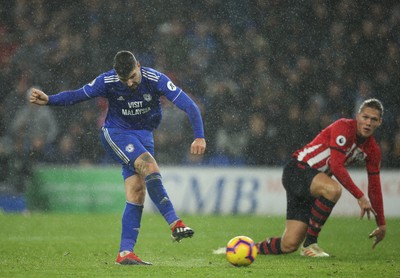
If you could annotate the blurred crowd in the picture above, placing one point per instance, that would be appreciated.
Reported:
(268, 75)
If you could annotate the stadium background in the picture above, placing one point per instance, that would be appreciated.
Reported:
(268, 75)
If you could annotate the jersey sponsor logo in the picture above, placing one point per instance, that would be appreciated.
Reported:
(359, 155)
(171, 86)
(135, 104)
(129, 148)
(121, 98)
(341, 140)
(147, 97)
(133, 112)
(356, 156)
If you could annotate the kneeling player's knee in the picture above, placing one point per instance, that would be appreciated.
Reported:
(289, 246)
(333, 191)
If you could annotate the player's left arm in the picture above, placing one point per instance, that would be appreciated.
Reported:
(337, 165)
(185, 103)
(178, 97)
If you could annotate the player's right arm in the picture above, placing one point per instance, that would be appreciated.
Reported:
(38, 97)
(342, 175)
(93, 89)
(339, 142)
(61, 99)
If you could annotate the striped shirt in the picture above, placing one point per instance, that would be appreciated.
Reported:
(338, 146)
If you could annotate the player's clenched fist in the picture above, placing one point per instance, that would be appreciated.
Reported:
(38, 97)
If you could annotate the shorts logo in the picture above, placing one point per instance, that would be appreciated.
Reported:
(129, 148)
(147, 97)
(171, 86)
(341, 140)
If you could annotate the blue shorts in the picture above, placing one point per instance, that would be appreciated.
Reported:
(125, 146)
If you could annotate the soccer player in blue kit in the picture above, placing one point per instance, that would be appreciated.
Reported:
(134, 111)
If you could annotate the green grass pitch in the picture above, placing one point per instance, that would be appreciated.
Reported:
(86, 245)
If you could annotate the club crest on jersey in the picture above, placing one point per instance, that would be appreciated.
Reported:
(171, 86)
(360, 156)
(341, 140)
(147, 97)
(129, 148)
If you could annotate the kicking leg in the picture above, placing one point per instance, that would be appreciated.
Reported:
(146, 165)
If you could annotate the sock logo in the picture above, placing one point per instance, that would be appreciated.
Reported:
(164, 200)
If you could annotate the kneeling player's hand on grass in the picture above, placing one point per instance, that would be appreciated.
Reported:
(378, 234)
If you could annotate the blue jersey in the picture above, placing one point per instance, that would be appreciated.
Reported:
(138, 109)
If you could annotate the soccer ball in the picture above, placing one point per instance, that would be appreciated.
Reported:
(241, 251)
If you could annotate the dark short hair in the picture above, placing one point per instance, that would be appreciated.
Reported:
(124, 63)
(372, 103)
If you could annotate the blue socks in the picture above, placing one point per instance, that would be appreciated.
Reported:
(160, 198)
(130, 226)
(133, 212)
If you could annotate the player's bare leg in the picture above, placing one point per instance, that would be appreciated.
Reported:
(293, 236)
(135, 189)
(325, 186)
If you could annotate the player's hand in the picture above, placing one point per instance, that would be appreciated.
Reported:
(198, 146)
(365, 207)
(378, 234)
(38, 97)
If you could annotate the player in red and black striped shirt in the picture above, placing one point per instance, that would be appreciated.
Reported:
(311, 191)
